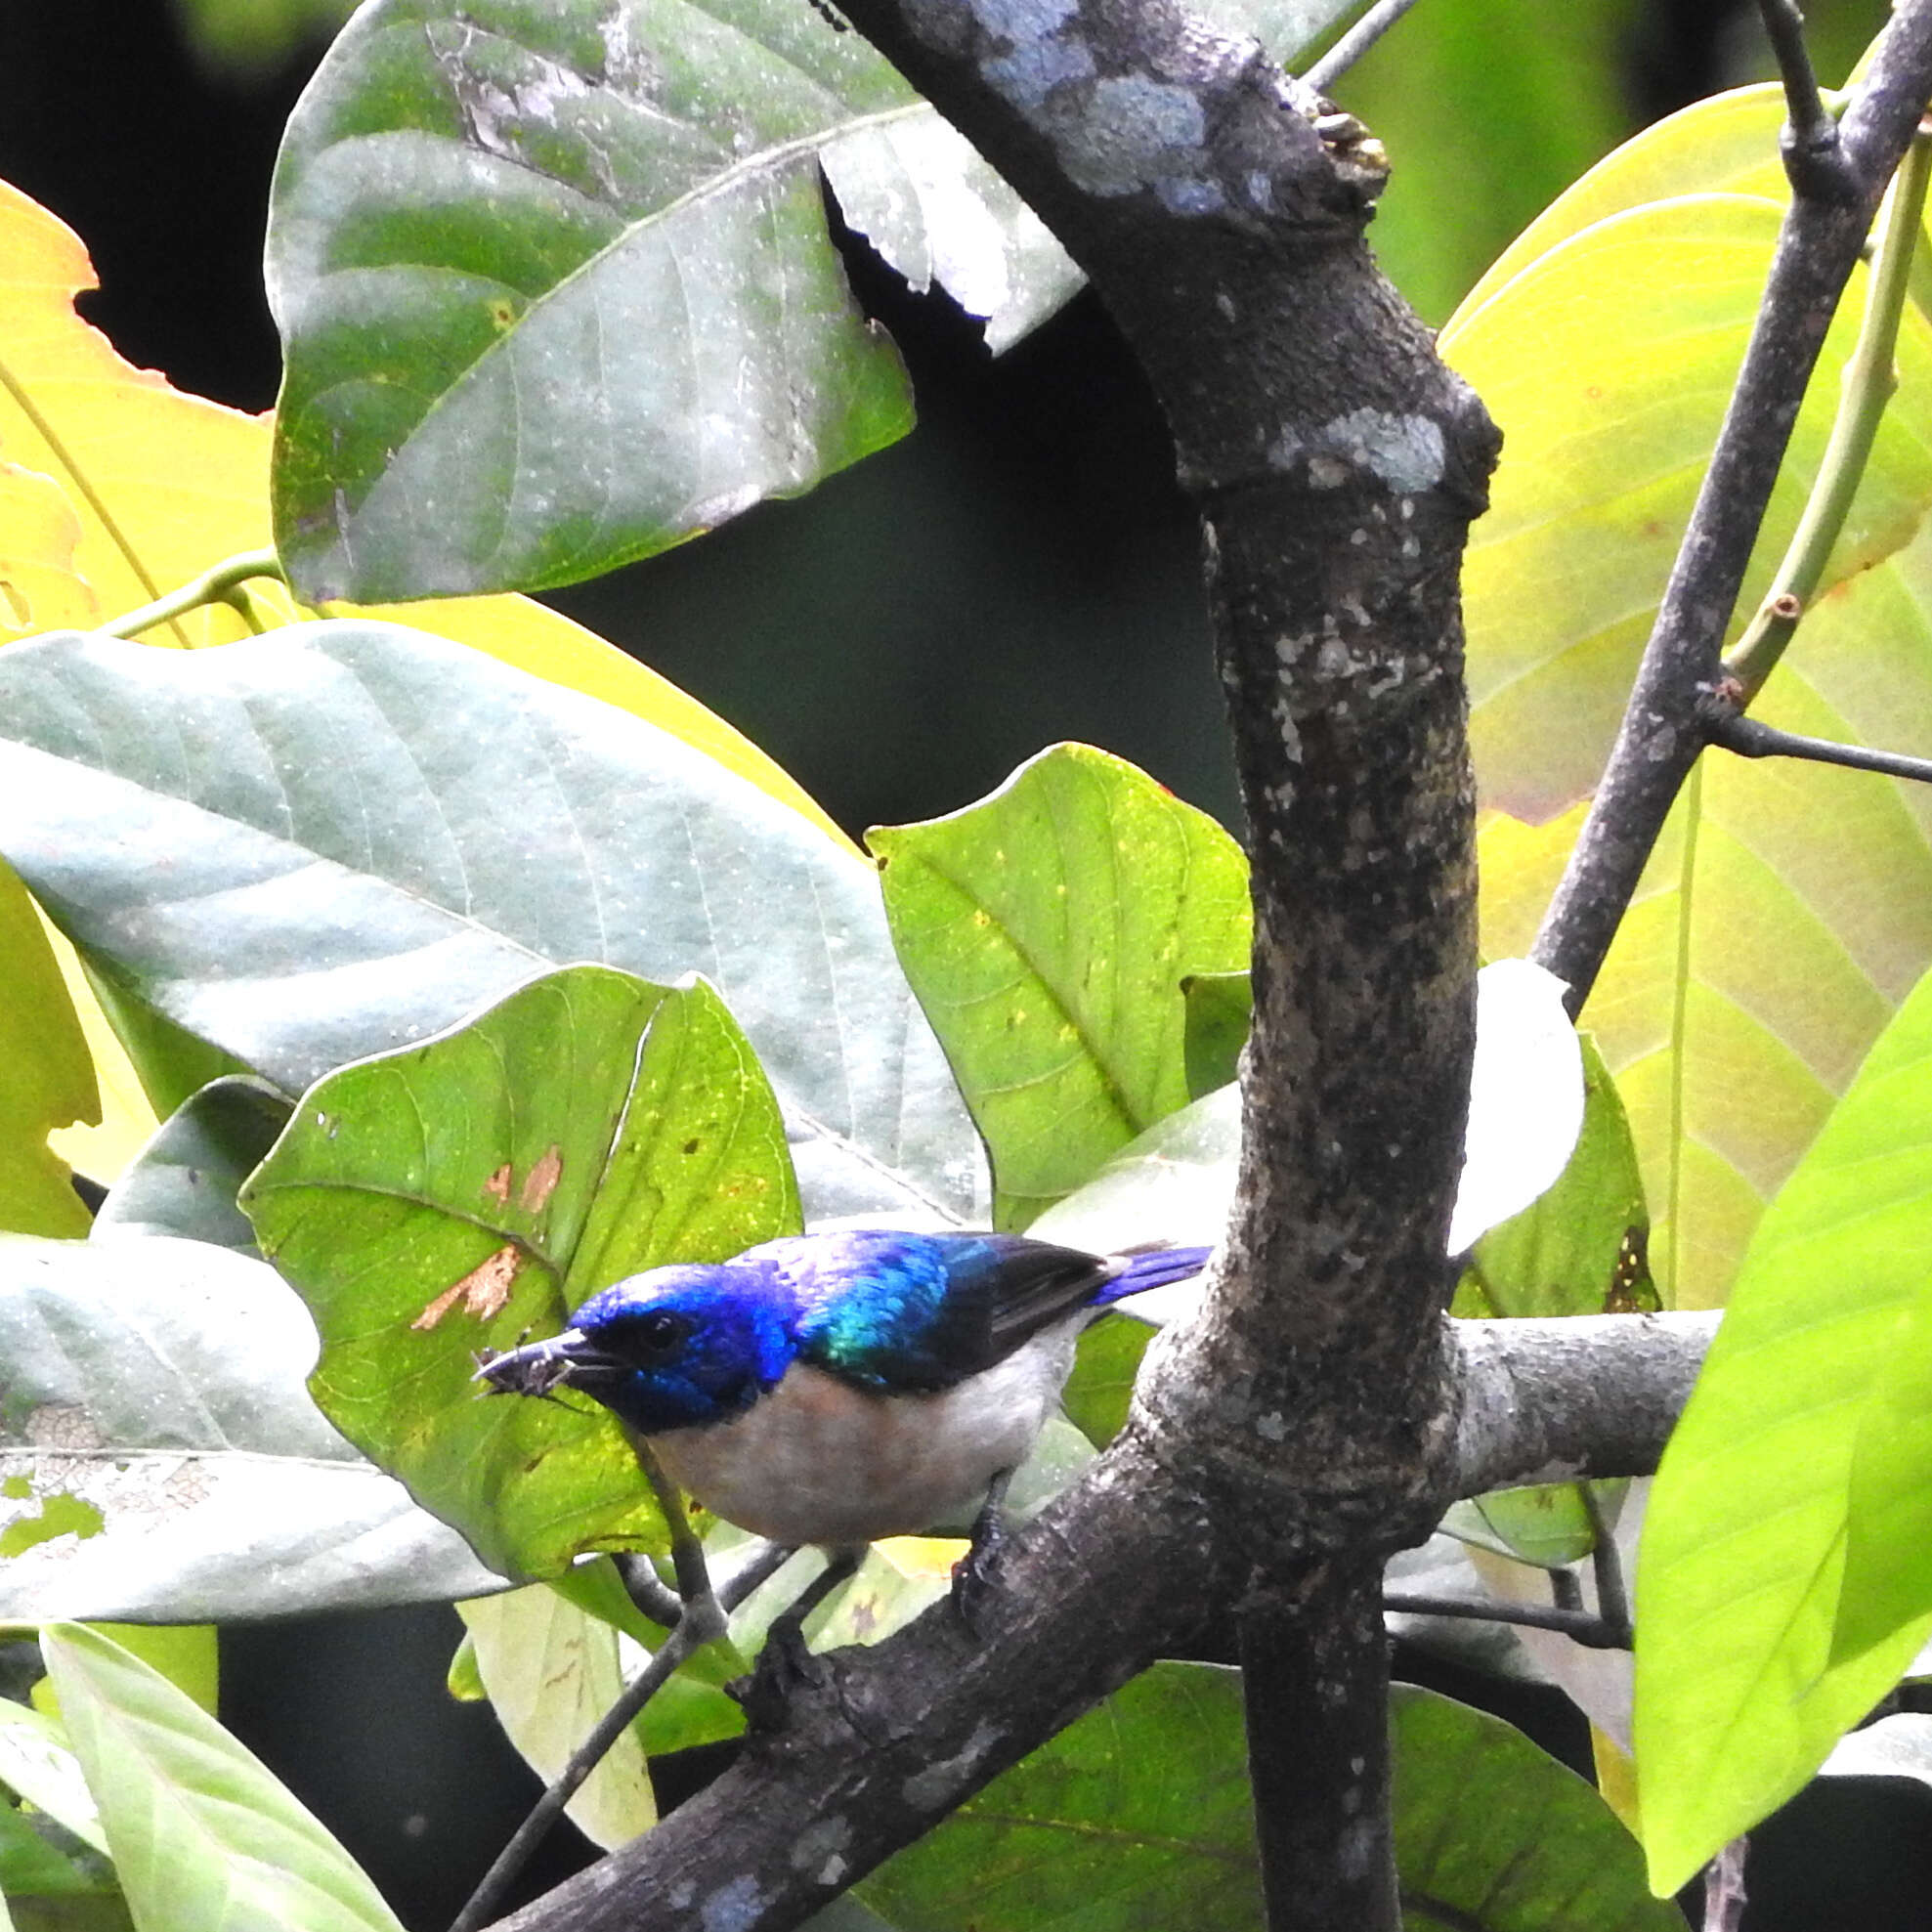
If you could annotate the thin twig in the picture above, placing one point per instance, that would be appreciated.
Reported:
(1724, 1888)
(682, 1642)
(1663, 731)
(1607, 1568)
(1580, 1625)
(701, 1620)
(770, 1558)
(1750, 739)
(214, 585)
(1868, 381)
(1813, 162)
(653, 1595)
(1356, 42)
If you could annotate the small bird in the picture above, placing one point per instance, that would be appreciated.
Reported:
(840, 1387)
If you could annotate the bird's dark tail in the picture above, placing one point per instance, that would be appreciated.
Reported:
(1153, 1268)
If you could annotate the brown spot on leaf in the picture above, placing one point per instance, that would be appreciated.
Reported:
(483, 1291)
(497, 1186)
(542, 1181)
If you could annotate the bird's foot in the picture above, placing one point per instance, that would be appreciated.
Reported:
(972, 1574)
(785, 1666)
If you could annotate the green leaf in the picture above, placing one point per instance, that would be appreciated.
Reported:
(1888, 1552)
(1046, 931)
(171, 1063)
(1139, 1814)
(551, 1671)
(1545, 1525)
(1101, 1389)
(33, 1866)
(186, 1179)
(201, 1833)
(1494, 1833)
(378, 832)
(555, 289)
(187, 1654)
(38, 1763)
(1220, 1008)
(1740, 1581)
(161, 1460)
(460, 1195)
(1607, 364)
(46, 1075)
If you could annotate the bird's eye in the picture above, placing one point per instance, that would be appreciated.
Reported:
(660, 1333)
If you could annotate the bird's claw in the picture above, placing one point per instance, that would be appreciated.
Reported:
(972, 1576)
(784, 1667)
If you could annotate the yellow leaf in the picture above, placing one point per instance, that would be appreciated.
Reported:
(162, 484)
(39, 587)
(100, 1151)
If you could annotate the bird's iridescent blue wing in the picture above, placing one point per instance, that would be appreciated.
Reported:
(920, 1312)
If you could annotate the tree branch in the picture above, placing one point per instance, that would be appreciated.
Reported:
(1587, 1395)
(1661, 733)
(1748, 738)
(1319, 1412)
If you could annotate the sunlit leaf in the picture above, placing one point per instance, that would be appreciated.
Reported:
(39, 586)
(46, 1075)
(1047, 930)
(1888, 1556)
(1786, 912)
(162, 484)
(1743, 1555)
(379, 831)
(460, 1195)
(1607, 364)
(201, 1833)
(159, 1456)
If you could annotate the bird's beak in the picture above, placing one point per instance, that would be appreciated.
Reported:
(570, 1359)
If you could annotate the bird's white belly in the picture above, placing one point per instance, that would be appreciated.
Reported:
(818, 1461)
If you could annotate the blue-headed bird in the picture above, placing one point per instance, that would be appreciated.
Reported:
(840, 1387)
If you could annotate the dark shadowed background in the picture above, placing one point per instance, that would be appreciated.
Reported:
(1021, 570)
